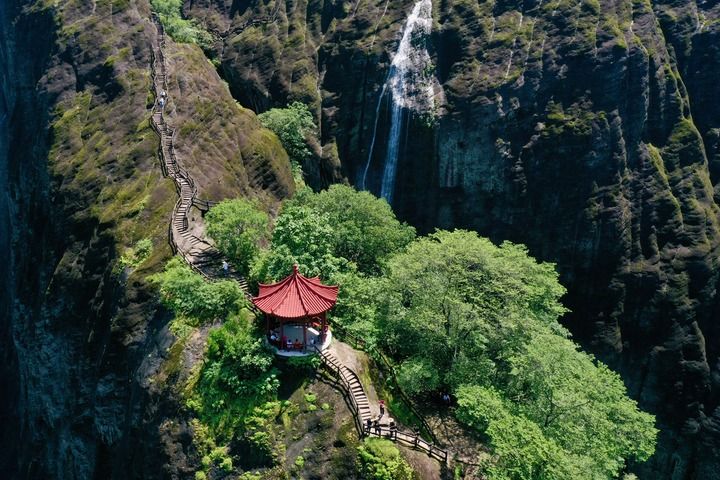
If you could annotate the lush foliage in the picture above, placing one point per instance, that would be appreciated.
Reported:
(237, 376)
(379, 459)
(135, 255)
(335, 232)
(454, 311)
(481, 320)
(418, 375)
(458, 301)
(522, 451)
(189, 295)
(302, 236)
(180, 29)
(344, 236)
(239, 228)
(292, 125)
(365, 230)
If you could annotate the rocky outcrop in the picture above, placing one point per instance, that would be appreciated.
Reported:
(587, 130)
(82, 338)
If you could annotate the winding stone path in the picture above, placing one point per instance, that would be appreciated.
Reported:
(197, 251)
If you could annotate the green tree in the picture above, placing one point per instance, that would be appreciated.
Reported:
(365, 229)
(356, 307)
(188, 294)
(239, 228)
(179, 28)
(479, 315)
(302, 236)
(580, 403)
(458, 300)
(293, 126)
(521, 450)
(237, 377)
(418, 375)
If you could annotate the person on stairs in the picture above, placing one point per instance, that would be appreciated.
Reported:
(381, 403)
(225, 267)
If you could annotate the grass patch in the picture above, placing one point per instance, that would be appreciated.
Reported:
(180, 29)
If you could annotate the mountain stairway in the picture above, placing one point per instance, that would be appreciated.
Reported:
(198, 252)
(348, 381)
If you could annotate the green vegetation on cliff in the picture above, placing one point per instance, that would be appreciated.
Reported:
(239, 228)
(189, 296)
(457, 313)
(380, 460)
(293, 125)
(479, 320)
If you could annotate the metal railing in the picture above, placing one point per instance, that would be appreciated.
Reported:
(413, 440)
(389, 372)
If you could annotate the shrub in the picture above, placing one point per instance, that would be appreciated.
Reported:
(136, 255)
(188, 294)
(293, 125)
(180, 29)
(379, 459)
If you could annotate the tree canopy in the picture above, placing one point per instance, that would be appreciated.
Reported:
(481, 320)
(237, 376)
(292, 125)
(365, 230)
(239, 228)
(301, 236)
(189, 295)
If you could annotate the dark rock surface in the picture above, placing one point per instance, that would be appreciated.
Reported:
(588, 130)
(81, 340)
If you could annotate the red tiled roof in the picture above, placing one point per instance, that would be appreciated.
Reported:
(296, 297)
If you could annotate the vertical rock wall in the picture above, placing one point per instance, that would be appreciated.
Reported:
(82, 339)
(587, 130)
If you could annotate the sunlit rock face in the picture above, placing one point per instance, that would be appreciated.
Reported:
(587, 130)
(409, 92)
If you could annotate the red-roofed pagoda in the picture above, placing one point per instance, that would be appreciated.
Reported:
(295, 312)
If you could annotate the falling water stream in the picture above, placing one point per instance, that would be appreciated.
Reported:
(409, 88)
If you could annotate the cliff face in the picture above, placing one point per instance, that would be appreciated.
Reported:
(81, 338)
(588, 130)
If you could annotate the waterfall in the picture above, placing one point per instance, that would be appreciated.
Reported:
(409, 86)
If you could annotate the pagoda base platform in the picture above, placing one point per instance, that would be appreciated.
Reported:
(312, 334)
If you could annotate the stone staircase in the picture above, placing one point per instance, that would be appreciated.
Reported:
(198, 252)
(359, 404)
(351, 382)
